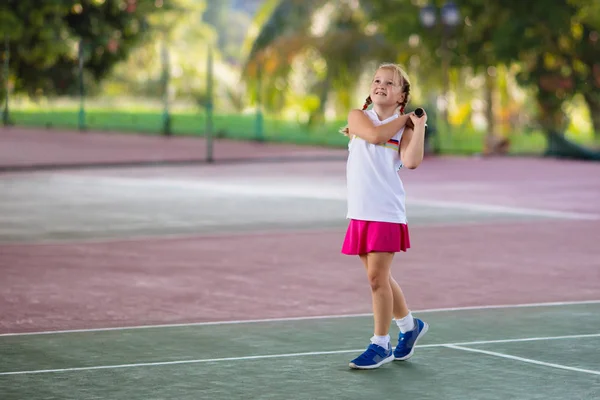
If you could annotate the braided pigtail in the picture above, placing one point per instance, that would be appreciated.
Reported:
(368, 102)
(406, 91)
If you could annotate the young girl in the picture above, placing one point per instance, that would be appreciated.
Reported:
(382, 140)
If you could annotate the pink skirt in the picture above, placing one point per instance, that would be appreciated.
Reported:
(364, 237)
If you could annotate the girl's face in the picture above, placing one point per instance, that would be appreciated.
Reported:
(386, 88)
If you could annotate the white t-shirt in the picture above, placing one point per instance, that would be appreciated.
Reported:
(374, 188)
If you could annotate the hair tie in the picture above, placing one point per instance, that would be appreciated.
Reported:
(367, 102)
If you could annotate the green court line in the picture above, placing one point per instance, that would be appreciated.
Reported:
(522, 359)
(306, 318)
(317, 353)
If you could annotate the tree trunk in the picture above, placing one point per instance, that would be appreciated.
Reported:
(551, 116)
(490, 85)
(318, 115)
(490, 137)
(593, 103)
(494, 143)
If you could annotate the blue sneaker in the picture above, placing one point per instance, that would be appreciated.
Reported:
(374, 357)
(407, 341)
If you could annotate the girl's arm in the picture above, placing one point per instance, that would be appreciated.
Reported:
(412, 144)
(360, 125)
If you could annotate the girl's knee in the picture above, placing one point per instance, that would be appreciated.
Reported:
(378, 269)
(378, 279)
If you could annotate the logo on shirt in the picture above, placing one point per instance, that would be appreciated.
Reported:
(392, 144)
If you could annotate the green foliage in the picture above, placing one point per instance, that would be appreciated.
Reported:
(231, 26)
(181, 37)
(178, 37)
(325, 45)
(44, 38)
(528, 33)
(556, 45)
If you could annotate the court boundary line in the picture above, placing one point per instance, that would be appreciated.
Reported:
(336, 193)
(275, 189)
(339, 193)
(303, 318)
(499, 209)
(522, 359)
(286, 355)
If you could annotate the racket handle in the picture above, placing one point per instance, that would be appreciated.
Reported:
(419, 112)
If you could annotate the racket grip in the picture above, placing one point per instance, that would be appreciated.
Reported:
(419, 112)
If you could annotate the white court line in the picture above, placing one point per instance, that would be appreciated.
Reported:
(307, 189)
(298, 190)
(306, 318)
(508, 210)
(527, 360)
(286, 355)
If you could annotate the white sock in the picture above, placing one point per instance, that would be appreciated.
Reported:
(406, 324)
(382, 341)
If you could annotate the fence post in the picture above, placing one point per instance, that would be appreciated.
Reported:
(166, 117)
(81, 119)
(209, 105)
(5, 116)
(259, 137)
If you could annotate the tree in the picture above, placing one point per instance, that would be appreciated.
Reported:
(335, 40)
(556, 45)
(586, 66)
(181, 34)
(185, 33)
(45, 35)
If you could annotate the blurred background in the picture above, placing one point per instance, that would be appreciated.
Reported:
(496, 77)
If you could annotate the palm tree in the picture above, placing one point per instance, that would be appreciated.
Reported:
(332, 40)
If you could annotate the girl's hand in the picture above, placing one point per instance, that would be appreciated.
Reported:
(418, 122)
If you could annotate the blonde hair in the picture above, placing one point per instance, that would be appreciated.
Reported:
(401, 76)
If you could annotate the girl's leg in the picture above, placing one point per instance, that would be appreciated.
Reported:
(378, 273)
(379, 352)
(411, 329)
(400, 308)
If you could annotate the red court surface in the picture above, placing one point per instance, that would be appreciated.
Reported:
(547, 251)
(23, 147)
(95, 285)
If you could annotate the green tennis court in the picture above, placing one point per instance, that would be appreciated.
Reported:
(543, 351)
